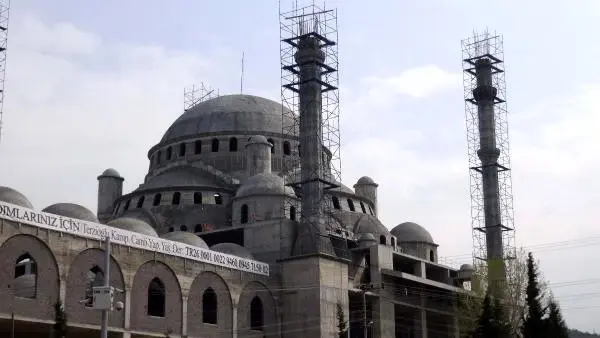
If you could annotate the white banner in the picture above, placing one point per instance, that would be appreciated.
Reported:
(86, 229)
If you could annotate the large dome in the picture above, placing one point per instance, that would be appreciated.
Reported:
(71, 210)
(10, 195)
(229, 113)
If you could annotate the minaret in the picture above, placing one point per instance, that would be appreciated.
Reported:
(489, 160)
(485, 94)
(309, 58)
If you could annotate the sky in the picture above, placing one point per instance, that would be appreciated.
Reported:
(93, 85)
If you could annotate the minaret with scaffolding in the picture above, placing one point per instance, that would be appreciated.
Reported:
(4, 10)
(489, 161)
(310, 99)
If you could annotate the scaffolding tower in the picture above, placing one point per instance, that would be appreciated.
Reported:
(492, 215)
(317, 23)
(4, 10)
(197, 93)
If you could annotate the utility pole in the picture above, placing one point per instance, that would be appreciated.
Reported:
(104, 327)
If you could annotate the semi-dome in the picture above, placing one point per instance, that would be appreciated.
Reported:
(132, 224)
(232, 249)
(71, 210)
(229, 113)
(412, 232)
(365, 180)
(185, 237)
(264, 184)
(10, 195)
(368, 224)
(295, 176)
(181, 176)
(467, 267)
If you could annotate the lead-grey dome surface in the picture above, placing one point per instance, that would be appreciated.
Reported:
(370, 224)
(10, 195)
(132, 224)
(264, 184)
(110, 172)
(182, 176)
(232, 249)
(365, 180)
(185, 237)
(71, 210)
(412, 232)
(229, 113)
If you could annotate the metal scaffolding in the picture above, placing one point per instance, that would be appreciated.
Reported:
(4, 10)
(196, 94)
(311, 21)
(488, 48)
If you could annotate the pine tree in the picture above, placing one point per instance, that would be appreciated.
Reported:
(533, 323)
(483, 329)
(342, 324)
(59, 328)
(555, 324)
(502, 326)
(492, 322)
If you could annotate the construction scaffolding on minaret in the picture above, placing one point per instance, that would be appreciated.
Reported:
(489, 161)
(309, 94)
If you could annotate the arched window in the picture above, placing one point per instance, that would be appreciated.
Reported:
(209, 306)
(218, 199)
(156, 200)
(244, 214)
(362, 207)
(198, 147)
(183, 228)
(370, 210)
(215, 145)
(256, 314)
(233, 144)
(197, 198)
(176, 198)
(350, 204)
(293, 213)
(127, 205)
(26, 270)
(393, 242)
(156, 298)
(171, 229)
(431, 256)
(286, 148)
(94, 277)
(169, 153)
(182, 149)
(336, 202)
(198, 228)
(299, 152)
(382, 240)
(158, 154)
(272, 145)
(140, 202)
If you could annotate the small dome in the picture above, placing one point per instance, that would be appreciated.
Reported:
(365, 180)
(10, 195)
(367, 237)
(412, 232)
(185, 237)
(467, 267)
(232, 249)
(71, 210)
(110, 172)
(264, 184)
(132, 224)
(258, 139)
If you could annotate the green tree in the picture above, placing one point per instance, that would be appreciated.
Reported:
(59, 329)
(342, 323)
(555, 324)
(492, 322)
(533, 323)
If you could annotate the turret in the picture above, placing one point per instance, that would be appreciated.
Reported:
(367, 188)
(258, 155)
(110, 188)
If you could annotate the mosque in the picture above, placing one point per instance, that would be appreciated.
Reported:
(224, 238)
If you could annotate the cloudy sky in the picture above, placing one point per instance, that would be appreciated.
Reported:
(92, 85)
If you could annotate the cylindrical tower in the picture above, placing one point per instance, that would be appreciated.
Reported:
(110, 188)
(367, 188)
(309, 57)
(258, 155)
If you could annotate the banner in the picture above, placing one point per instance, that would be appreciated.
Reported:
(98, 231)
